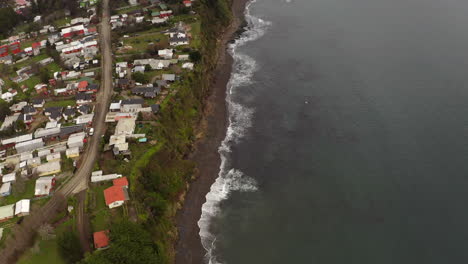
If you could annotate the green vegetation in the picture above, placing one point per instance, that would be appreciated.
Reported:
(62, 103)
(8, 20)
(131, 243)
(48, 253)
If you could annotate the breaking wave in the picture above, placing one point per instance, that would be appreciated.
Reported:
(240, 120)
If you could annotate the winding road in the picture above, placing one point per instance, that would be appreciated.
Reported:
(22, 236)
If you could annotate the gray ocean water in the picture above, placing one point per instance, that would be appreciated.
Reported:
(358, 141)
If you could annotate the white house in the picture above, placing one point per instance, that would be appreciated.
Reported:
(22, 207)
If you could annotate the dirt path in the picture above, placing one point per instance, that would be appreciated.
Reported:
(22, 236)
(189, 248)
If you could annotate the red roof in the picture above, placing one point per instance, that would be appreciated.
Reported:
(101, 240)
(92, 29)
(123, 182)
(114, 194)
(36, 45)
(83, 84)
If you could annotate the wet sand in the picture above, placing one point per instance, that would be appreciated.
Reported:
(214, 124)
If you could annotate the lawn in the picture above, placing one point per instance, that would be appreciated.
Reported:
(100, 212)
(62, 103)
(48, 253)
(128, 9)
(195, 42)
(62, 22)
(140, 43)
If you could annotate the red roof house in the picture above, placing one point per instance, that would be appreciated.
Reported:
(82, 86)
(115, 196)
(122, 182)
(101, 240)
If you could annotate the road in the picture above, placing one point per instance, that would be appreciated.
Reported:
(23, 235)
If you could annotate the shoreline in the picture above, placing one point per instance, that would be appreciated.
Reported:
(214, 125)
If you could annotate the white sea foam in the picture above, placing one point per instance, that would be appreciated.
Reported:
(240, 120)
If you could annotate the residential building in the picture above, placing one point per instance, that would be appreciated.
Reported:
(5, 189)
(48, 168)
(7, 212)
(22, 207)
(115, 196)
(44, 186)
(101, 239)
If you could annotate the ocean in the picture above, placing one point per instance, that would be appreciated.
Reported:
(347, 138)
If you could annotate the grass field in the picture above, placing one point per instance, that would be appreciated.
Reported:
(140, 43)
(48, 254)
(62, 103)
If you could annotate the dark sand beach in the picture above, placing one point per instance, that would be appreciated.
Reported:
(189, 248)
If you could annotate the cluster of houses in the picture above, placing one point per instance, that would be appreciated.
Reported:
(20, 208)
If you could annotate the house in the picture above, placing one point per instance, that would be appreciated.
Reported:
(49, 110)
(38, 102)
(43, 153)
(29, 110)
(22, 207)
(115, 106)
(83, 98)
(8, 96)
(139, 68)
(29, 145)
(131, 105)
(101, 239)
(125, 126)
(178, 41)
(16, 108)
(73, 152)
(53, 157)
(82, 86)
(69, 112)
(84, 109)
(96, 176)
(7, 212)
(166, 53)
(122, 182)
(41, 88)
(55, 115)
(27, 119)
(187, 3)
(84, 119)
(76, 140)
(143, 91)
(168, 77)
(5, 189)
(33, 162)
(115, 196)
(125, 83)
(155, 108)
(10, 177)
(44, 185)
(48, 168)
(188, 66)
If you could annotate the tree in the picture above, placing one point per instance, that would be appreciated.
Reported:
(195, 56)
(129, 244)
(4, 109)
(70, 247)
(44, 75)
(148, 67)
(140, 77)
(20, 125)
